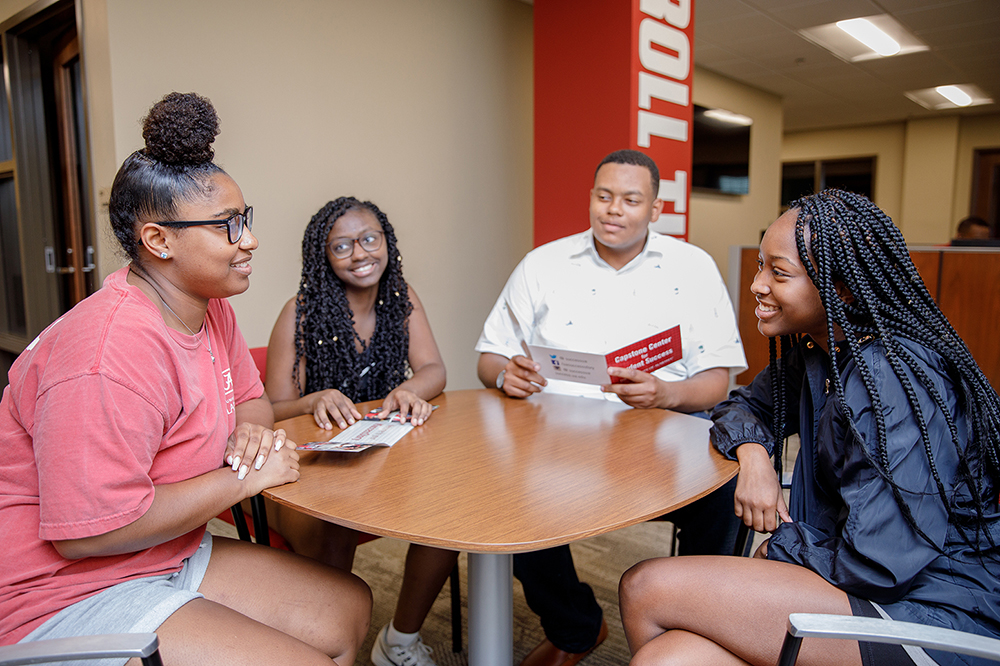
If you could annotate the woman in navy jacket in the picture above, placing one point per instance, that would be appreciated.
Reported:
(893, 507)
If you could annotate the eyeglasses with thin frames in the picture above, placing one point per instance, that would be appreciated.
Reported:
(370, 241)
(234, 224)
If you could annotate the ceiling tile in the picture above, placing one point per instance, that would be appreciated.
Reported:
(829, 11)
(981, 32)
(731, 29)
(916, 70)
(714, 10)
(738, 68)
(932, 17)
(902, 6)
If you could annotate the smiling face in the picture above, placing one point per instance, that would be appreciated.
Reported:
(622, 204)
(362, 269)
(208, 263)
(787, 301)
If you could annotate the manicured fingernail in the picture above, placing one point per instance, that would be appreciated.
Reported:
(236, 463)
(229, 460)
(277, 444)
(259, 462)
(243, 472)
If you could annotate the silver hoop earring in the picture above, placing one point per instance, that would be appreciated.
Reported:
(163, 255)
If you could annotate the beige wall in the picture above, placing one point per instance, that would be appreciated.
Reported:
(718, 220)
(977, 132)
(923, 176)
(885, 143)
(423, 108)
(929, 179)
(8, 8)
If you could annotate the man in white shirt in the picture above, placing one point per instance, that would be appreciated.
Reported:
(598, 291)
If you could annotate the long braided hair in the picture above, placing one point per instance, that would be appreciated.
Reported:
(850, 240)
(324, 326)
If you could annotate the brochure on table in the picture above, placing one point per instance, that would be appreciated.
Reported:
(646, 355)
(369, 432)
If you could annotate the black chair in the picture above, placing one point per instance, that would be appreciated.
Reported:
(103, 646)
(877, 630)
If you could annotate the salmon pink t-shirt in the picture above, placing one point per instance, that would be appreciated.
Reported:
(105, 405)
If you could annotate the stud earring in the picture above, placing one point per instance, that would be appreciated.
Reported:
(163, 255)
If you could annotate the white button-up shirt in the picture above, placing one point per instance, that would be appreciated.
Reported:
(565, 296)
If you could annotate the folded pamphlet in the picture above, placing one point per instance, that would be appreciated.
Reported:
(646, 355)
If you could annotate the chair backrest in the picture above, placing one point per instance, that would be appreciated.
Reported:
(877, 630)
(259, 355)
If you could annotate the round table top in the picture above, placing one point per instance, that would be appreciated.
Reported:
(487, 473)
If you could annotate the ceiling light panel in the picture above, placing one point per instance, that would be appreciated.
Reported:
(881, 28)
(949, 97)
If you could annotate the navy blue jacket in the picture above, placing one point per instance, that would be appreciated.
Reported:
(847, 527)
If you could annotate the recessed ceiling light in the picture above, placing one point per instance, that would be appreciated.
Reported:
(955, 95)
(728, 117)
(949, 97)
(868, 34)
(864, 38)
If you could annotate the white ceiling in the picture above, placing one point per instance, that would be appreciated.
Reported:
(756, 42)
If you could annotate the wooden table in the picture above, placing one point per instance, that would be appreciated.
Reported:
(494, 476)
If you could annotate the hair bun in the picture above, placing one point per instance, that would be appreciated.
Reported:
(180, 129)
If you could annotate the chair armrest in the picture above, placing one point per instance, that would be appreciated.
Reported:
(877, 630)
(102, 646)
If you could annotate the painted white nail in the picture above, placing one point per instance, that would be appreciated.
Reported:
(277, 444)
(260, 461)
(229, 460)
(243, 472)
(236, 463)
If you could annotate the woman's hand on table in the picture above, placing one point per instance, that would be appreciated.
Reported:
(262, 457)
(332, 406)
(250, 445)
(281, 467)
(409, 405)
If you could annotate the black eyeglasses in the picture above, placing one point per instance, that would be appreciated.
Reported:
(234, 224)
(344, 247)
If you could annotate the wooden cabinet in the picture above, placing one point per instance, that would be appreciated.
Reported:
(965, 282)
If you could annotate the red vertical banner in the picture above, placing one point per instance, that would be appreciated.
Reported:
(610, 74)
(662, 68)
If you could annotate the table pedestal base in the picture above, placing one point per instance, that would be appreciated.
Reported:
(491, 609)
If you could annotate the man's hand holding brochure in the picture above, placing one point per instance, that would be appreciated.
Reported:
(644, 356)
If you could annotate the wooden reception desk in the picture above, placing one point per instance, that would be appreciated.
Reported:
(965, 282)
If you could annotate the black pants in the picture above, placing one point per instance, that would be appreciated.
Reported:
(569, 613)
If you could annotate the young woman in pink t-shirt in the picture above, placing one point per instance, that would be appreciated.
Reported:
(137, 417)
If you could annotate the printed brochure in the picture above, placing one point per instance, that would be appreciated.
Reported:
(646, 355)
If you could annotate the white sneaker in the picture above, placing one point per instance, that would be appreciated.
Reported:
(384, 654)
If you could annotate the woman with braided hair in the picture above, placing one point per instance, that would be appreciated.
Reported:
(357, 332)
(893, 506)
(138, 416)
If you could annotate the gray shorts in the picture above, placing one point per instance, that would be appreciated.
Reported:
(135, 606)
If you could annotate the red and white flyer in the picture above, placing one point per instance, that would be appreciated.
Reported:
(646, 355)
